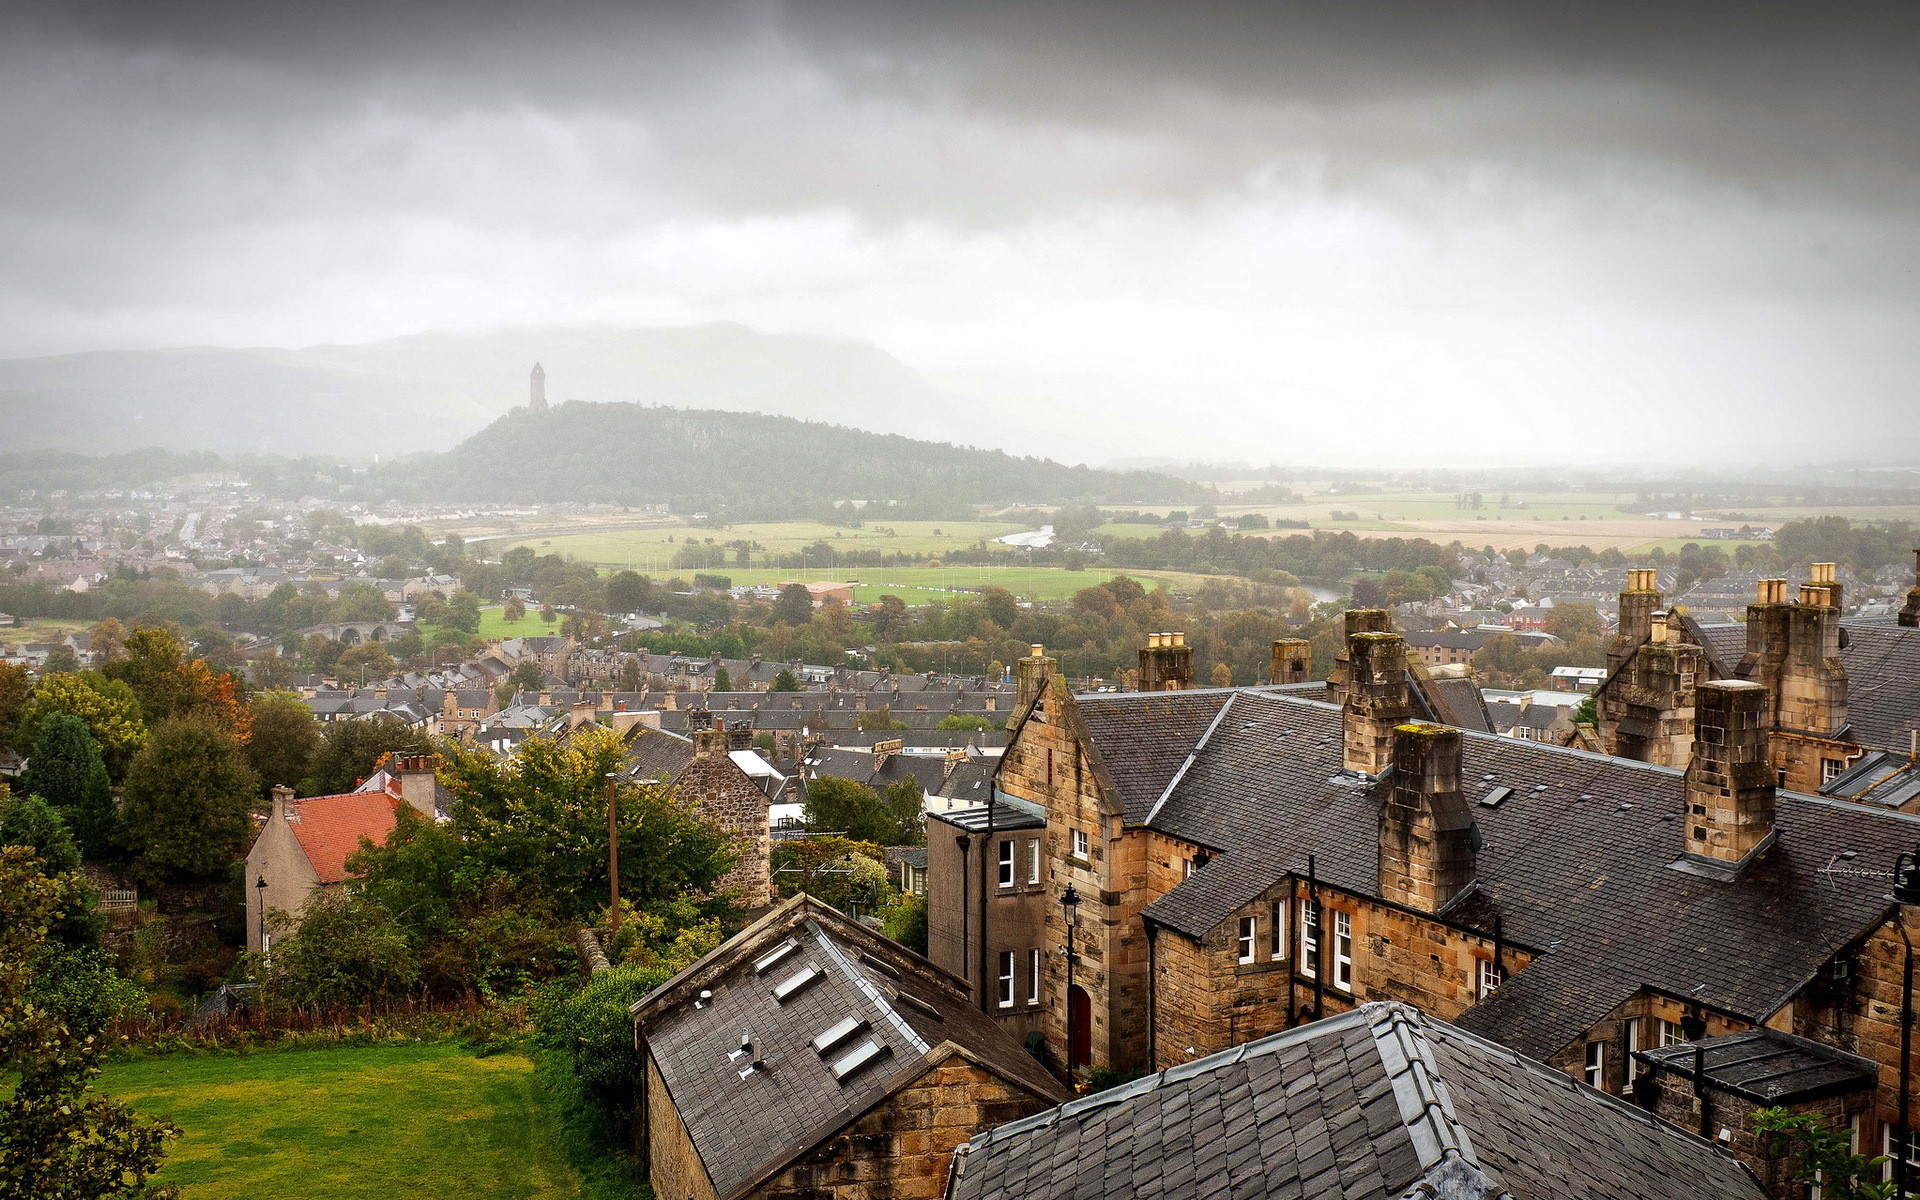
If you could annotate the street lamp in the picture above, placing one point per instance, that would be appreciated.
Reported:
(260, 895)
(1906, 894)
(1070, 912)
(613, 859)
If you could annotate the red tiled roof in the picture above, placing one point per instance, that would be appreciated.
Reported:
(329, 828)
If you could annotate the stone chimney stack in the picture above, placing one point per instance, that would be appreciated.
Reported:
(1647, 714)
(1730, 785)
(1637, 606)
(580, 713)
(711, 742)
(1030, 676)
(1292, 661)
(1426, 829)
(1793, 650)
(1358, 620)
(418, 782)
(1166, 663)
(282, 802)
(1378, 699)
(1910, 613)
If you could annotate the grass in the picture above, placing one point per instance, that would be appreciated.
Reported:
(494, 624)
(40, 629)
(1675, 545)
(431, 1122)
(651, 549)
(922, 585)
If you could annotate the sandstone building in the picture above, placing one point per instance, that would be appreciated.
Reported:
(809, 1056)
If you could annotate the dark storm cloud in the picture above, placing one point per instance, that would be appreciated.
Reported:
(1415, 202)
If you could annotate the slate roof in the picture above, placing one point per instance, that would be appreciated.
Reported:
(1883, 684)
(652, 754)
(1583, 842)
(1768, 1067)
(1375, 1104)
(971, 781)
(1452, 700)
(1143, 737)
(746, 1129)
(329, 828)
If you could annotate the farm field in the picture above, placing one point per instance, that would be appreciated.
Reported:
(432, 1122)
(493, 624)
(650, 550)
(40, 629)
(922, 585)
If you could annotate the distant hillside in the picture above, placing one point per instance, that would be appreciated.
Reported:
(634, 454)
(428, 391)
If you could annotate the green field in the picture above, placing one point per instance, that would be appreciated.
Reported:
(1675, 545)
(652, 549)
(922, 585)
(426, 1122)
(40, 629)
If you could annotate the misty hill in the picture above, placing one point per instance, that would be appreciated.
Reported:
(428, 391)
(637, 454)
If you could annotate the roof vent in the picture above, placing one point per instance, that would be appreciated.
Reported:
(853, 1060)
(798, 982)
(1496, 797)
(881, 965)
(771, 959)
(918, 1005)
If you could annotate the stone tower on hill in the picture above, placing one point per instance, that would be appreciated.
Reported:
(538, 402)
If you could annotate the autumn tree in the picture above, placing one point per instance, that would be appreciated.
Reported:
(108, 707)
(1222, 675)
(170, 683)
(16, 684)
(188, 795)
(514, 611)
(61, 660)
(107, 640)
(794, 606)
(368, 660)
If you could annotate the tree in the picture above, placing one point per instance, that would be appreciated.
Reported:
(526, 676)
(344, 950)
(1826, 1155)
(368, 660)
(878, 720)
(540, 818)
(627, 592)
(58, 1138)
(1222, 675)
(1000, 606)
(906, 923)
(362, 602)
(906, 804)
(349, 751)
(188, 795)
(889, 618)
(784, 681)
(170, 683)
(68, 772)
(515, 610)
(285, 739)
(270, 671)
(107, 640)
(61, 660)
(463, 611)
(1368, 593)
(630, 676)
(722, 682)
(1570, 621)
(16, 684)
(794, 606)
(839, 871)
(964, 723)
(106, 705)
(851, 809)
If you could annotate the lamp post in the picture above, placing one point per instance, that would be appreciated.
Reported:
(1906, 894)
(613, 859)
(260, 898)
(1070, 912)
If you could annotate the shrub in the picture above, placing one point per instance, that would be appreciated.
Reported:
(593, 1030)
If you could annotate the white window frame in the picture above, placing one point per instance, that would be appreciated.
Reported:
(1632, 1026)
(1247, 937)
(1082, 845)
(1006, 979)
(1186, 868)
(1309, 941)
(1594, 1072)
(1006, 862)
(1489, 978)
(1342, 950)
(1887, 1148)
(1831, 769)
(1277, 935)
(1033, 861)
(1033, 976)
(1670, 1033)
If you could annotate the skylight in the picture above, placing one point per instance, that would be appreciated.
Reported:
(1494, 798)
(881, 965)
(766, 962)
(838, 1032)
(795, 983)
(856, 1058)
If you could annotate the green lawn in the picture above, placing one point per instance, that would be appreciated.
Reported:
(493, 624)
(650, 551)
(40, 629)
(426, 1122)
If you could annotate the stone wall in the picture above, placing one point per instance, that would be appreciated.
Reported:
(901, 1149)
(719, 791)
(673, 1165)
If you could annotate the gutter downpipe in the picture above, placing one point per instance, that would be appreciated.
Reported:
(964, 843)
(986, 849)
(1900, 1169)
(1319, 941)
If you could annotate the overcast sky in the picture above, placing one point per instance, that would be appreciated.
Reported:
(1514, 232)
